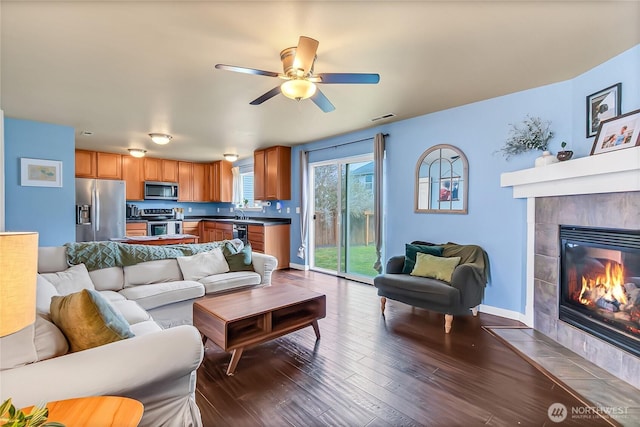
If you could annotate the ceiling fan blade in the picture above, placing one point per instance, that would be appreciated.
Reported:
(267, 96)
(247, 70)
(322, 101)
(348, 78)
(305, 54)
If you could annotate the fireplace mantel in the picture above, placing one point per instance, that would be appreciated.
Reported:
(613, 172)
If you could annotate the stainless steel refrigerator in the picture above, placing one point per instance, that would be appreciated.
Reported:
(100, 209)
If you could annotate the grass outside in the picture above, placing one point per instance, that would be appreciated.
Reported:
(361, 259)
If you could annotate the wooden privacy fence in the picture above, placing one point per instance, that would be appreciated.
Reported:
(361, 229)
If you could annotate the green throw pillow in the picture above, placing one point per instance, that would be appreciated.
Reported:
(87, 320)
(240, 261)
(410, 255)
(435, 267)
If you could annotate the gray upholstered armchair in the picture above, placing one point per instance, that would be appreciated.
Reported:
(459, 297)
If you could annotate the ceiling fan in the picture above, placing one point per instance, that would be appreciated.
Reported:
(297, 63)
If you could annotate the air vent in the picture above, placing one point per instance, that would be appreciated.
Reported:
(385, 116)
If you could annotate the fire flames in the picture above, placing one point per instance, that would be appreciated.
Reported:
(605, 290)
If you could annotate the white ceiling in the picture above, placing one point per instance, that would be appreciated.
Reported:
(123, 69)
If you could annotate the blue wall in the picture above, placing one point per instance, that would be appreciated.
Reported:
(496, 221)
(47, 210)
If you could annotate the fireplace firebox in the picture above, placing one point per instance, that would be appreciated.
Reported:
(600, 283)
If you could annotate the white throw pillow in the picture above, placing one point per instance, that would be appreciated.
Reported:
(73, 279)
(44, 292)
(49, 340)
(204, 264)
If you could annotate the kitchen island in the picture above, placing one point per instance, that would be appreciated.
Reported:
(167, 239)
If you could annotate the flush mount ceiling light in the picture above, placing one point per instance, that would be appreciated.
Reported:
(136, 152)
(230, 157)
(160, 138)
(298, 89)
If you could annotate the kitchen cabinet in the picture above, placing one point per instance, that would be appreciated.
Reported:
(191, 227)
(272, 240)
(208, 232)
(85, 164)
(224, 231)
(96, 164)
(185, 182)
(162, 170)
(133, 173)
(220, 181)
(272, 173)
(134, 229)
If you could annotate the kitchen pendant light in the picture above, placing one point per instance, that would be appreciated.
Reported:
(160, 138)
(230, 157)
(136, 152)
(298, 89)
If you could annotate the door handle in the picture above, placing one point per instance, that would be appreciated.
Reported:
(97, 213)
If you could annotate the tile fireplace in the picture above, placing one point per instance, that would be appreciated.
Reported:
(595, 192)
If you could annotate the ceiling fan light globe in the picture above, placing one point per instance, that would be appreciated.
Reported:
(298, 89)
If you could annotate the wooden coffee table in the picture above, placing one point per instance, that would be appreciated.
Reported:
(240, 319)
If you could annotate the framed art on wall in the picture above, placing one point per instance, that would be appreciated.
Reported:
(40, 173)
(618, 133)
(603, 105)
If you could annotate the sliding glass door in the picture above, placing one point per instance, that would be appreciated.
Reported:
(342, 230)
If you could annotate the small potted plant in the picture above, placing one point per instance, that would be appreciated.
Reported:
(10, 416)
(564, 154)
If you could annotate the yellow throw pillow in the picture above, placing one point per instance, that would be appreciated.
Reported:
(435, 267)
(87, 320)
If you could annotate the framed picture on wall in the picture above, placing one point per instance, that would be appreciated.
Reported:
(618, 133)
(603, 105)
(40, 173)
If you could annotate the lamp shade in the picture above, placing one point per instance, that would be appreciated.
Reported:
(18, 275)
(298, 89)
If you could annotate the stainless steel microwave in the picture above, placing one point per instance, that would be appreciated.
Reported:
(160, 190)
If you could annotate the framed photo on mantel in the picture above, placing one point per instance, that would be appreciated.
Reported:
(603, 105)
(618, 133)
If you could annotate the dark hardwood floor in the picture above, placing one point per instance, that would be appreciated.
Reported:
(370, 370)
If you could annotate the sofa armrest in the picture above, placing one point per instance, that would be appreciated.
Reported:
(136, 367)
(465, 279)
(264, 265)
(395, 264)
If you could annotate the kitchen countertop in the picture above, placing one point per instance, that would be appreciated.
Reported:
(250, 221)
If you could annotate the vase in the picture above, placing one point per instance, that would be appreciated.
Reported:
(564, 155)
(546, 159)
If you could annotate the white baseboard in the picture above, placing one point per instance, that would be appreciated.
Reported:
(298, 266)
(509, 314)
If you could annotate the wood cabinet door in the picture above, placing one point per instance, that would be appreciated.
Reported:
(85, 164)
(109, 165)
(258, 175)
(169, 170)
(225, 180)
(214, 182)
(185, 182)
(191, 227)
(271, 173)
(136, 229)
(152, 169)
(132, 173)
(199, 183)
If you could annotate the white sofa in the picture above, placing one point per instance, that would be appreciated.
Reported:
(157, 366)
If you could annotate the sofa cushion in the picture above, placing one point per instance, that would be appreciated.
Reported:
(417, 289)
(204, 264)
(44, 292)
(49, 340)
(144, 328)
(159, 294)
(73, 279)
(108, 279)
(240, 261)
(146, 273)
(88, 320)
(112, 296)
(231, 280)
(435, 267)
(410, 255)
(18, 349)
(131, 311)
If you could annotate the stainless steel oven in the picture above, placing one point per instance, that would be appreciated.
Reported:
(161, 228)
